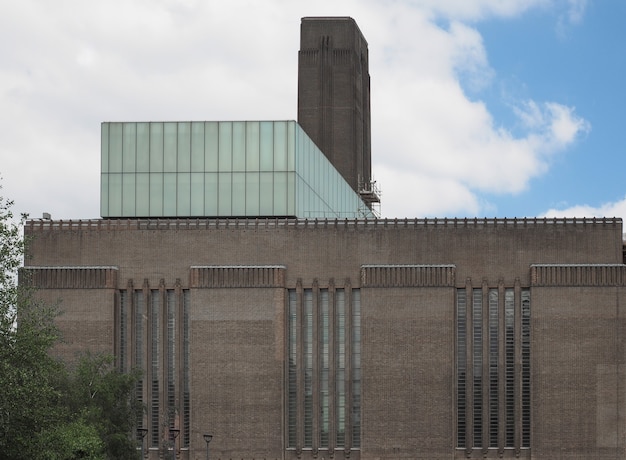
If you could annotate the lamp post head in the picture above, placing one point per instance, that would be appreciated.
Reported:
(207, 437)
(142, 432)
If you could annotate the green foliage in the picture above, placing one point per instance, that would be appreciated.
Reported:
(47, 410)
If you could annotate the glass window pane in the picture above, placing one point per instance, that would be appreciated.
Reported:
(115, 194)
(104, 147)
(291, 146)
(252, 145)
(156, 147)
(183, 196)
(280, 193)
(129, 155)
(169, 194)
(224, 196)
(143, 195)
(252, 194)
(239, 194)
(210, 145)
(143, 147)
(266, 146)
(104, 195)
(266, 196)
(280, 145)
(169, 147)
(184, 147)
(197, 147)
(115, 147)
(197, 194)
(225, 146)
(239, 146)
(210, 194)
(156, 194)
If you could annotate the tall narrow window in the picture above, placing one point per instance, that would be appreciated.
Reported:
(327, 384)
(292, 397)
(356, 368)
(477, 327)
(509, 363)
(324, 368)
(308, 368)
(461, 365)
(525, 368)
(139, 361)
(155, 340)
(186, 371)
(341, 368)
(171, 357)
(123, 330)
(494, 348)
(498, 331)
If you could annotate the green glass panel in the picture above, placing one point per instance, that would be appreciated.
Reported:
(266, 196)
(156, 194)
(183, 196)
(291, 194)
(210, 194)
(280, 193)
(156, 147)
(239, 146)
(197, 194)
(239, 194)
(129, 155)
(170, 145)
(252, 194)
(280, 146)
(115, 194)
(184, 148)
(115, 147)
(104, 195)
(142, 195)
(197, 147)
(266, 145)
(252, 146)
(225, 146)
(143, 147)
(211, 136)
(104, 147)
(291, 146)
(224, 194)
(169, 194)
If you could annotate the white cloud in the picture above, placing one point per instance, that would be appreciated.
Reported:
(610, 209)
(67, 67)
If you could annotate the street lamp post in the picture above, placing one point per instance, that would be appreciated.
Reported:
(142, 432)
(174, 432)
(207, 438)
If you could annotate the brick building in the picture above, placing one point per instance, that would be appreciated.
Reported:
(243, 270)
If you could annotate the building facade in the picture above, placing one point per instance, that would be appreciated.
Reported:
(298, 336)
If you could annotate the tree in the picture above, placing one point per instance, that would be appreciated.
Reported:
(49, 411)
(28, 399)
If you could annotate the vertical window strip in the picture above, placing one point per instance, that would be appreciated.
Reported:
(525, 368)
(123, 329)
(308, 368)
(509, 362)
(356, 368)
(324, 368)
(340, 309)
(461, 350)
(477, 318)
(171, 356)
(139, 361)
(493, 368)
(186, 377)
(154, 352)
(292, 398)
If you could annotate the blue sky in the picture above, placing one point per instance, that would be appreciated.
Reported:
(488, 108)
